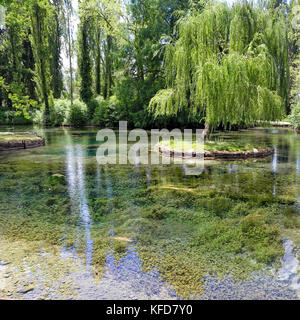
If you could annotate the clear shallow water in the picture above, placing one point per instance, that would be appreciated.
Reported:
(135, 232)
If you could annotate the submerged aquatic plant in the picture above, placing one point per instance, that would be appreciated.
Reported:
(226, 221)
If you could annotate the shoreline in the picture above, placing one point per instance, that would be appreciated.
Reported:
(211, 155)
(32, 141)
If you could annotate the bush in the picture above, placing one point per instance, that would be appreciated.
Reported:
(76, 114)
(92, 106)
(63, 113)
(106, 112)
(58, 111)
(38, 117)
(12, 116)
(140, 119)
(113, 107)
(9, 117)
(100, 113)
(294, 117)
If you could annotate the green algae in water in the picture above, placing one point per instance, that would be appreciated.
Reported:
(231, 219)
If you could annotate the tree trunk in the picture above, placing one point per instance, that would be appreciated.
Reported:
(206, 132)
(56, 82)
(98, 65)
(108, 69)
(70, 59)
(45, 93)
(42, 65)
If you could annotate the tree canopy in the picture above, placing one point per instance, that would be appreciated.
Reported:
(151, 62)
(229, 64)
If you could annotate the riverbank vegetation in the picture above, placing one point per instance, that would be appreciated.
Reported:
(152, 63)
(213, 145)
(11, 137)
(20, 140)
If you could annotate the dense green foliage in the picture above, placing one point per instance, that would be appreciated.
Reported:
(85, 63)
(63, 112)
(295, 116)
(229, 64)
(55, 42)
(40, 16)
(106, 112)
(17, 86)
(197, 62)
(294, 37)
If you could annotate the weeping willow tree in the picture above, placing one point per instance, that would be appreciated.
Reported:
(229, 65)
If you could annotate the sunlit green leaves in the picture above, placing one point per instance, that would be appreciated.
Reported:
(230, 64)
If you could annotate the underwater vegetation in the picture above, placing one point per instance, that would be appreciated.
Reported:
(230, 220)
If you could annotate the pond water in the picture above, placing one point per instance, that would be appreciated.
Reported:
(73, 229)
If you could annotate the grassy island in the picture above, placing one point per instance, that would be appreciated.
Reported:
(212, 149)
(20, 140)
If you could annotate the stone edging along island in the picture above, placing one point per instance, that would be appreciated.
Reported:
(210, 155)
(21, 141)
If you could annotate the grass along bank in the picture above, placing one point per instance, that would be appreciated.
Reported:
(20, 140)
(212, 149)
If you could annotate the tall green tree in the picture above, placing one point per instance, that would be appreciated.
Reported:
(108, 75)
(229, 65)
(148, 26)
(17, 88)
(55, 46)
(106, 15)
(294, 51)
(98, 59)
(41, 14)
(84, 55)
(68, 12)
(100, 25)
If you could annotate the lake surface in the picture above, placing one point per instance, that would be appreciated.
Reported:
(73, 229)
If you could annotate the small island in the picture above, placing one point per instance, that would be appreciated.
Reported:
(212, 150)
(20, 140)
